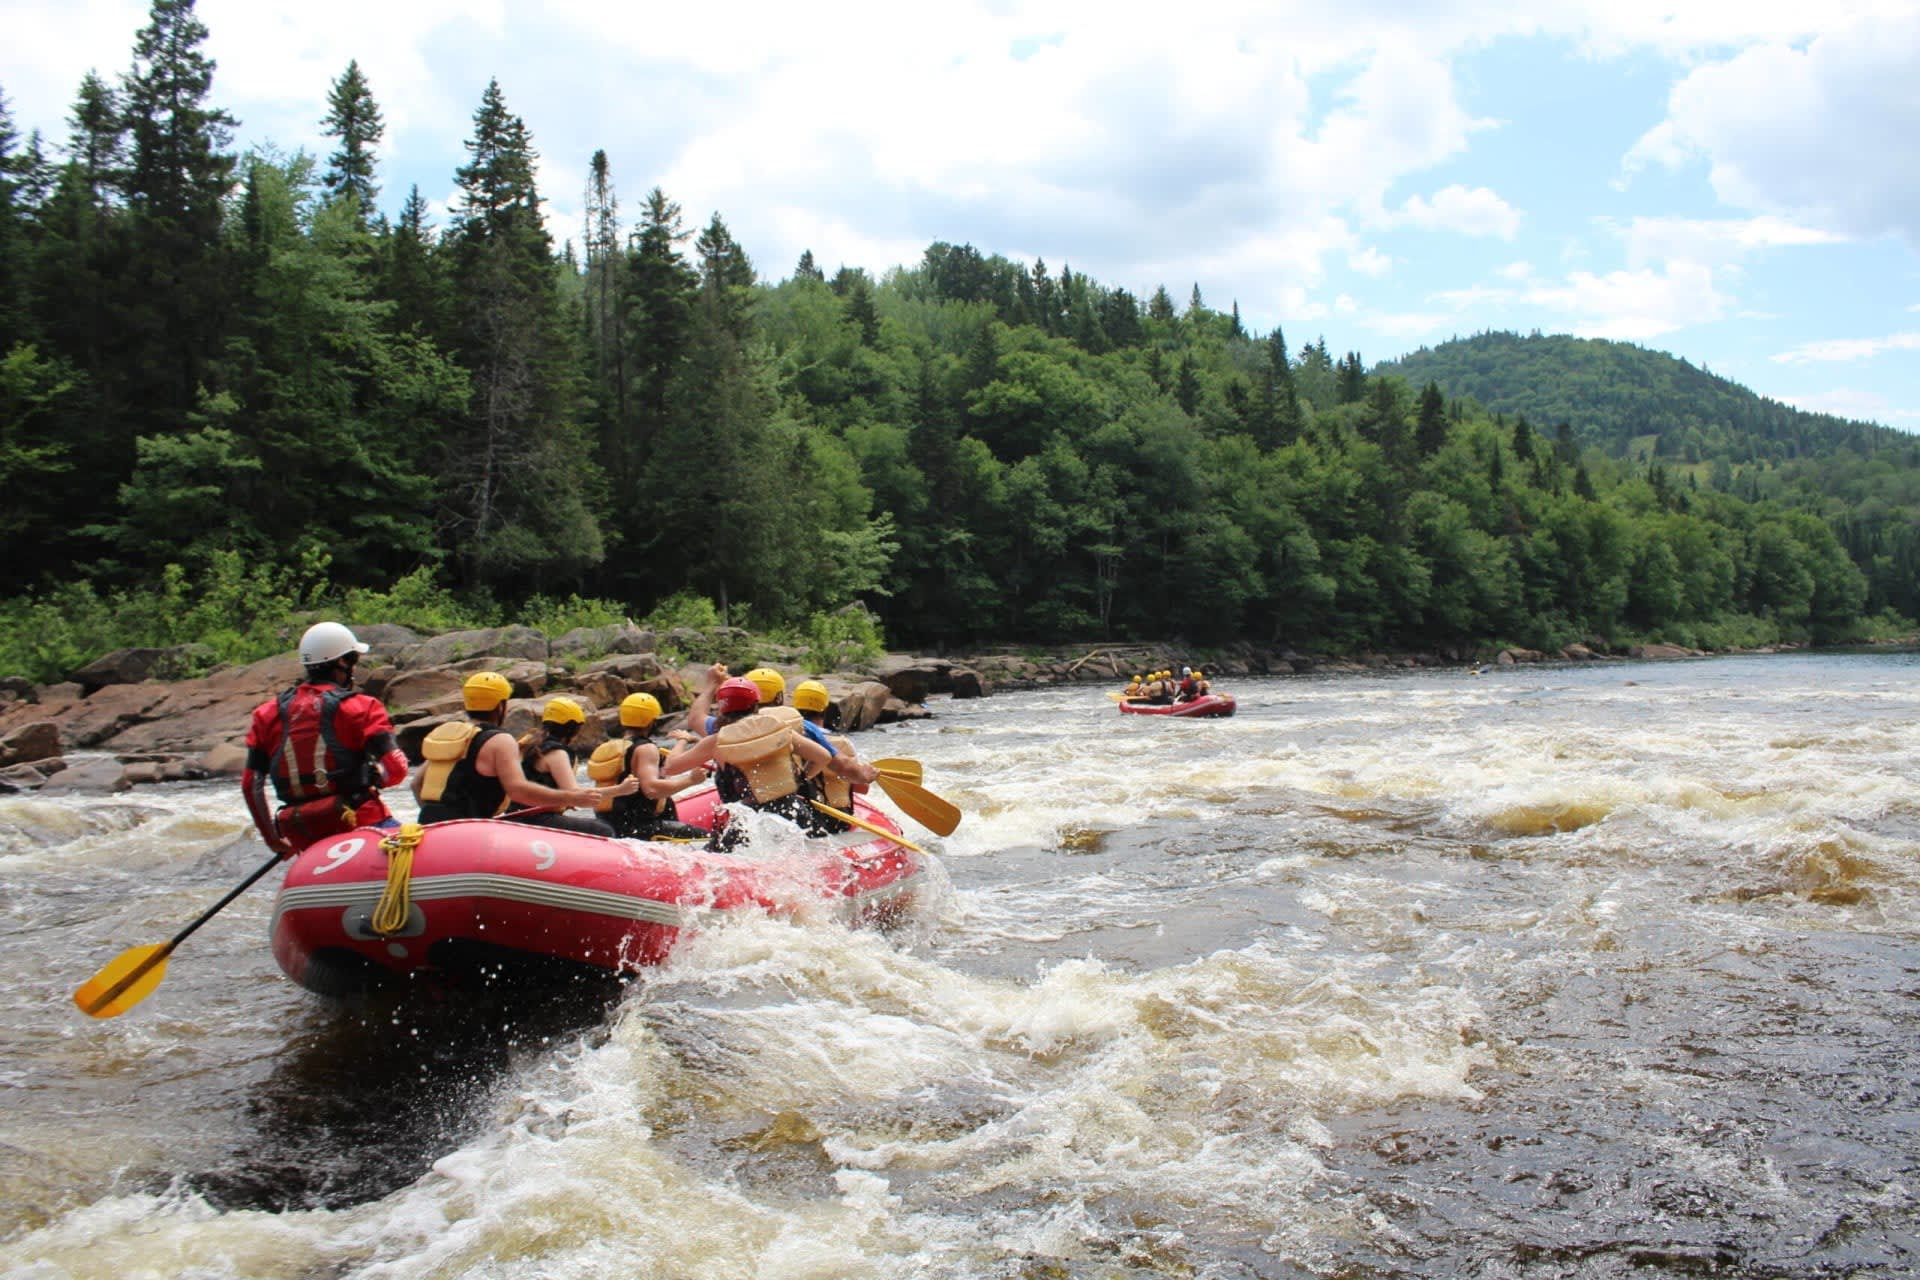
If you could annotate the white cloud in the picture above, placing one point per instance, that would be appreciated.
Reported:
(1862, 406)
(1715, 241)
(1407, 326)
(1475, 212)
(1822, 132)
(1370, 262)
(1633, 305)
(1835, 350)
(1521, 270)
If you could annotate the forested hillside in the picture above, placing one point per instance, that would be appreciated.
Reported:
(231, 388)
(1636, 404)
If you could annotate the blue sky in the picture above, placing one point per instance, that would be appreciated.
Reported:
(1737, 184)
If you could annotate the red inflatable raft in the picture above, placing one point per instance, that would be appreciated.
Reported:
(516, 890)
(1211, 704)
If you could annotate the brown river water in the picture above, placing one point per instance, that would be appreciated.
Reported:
(1548, 972)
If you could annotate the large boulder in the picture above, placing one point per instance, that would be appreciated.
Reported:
(89, 775)
(599, 688)
(410, 692)
(385, 639)
(131, 666)
(594, 642)
(485, 642)
(913, 679)
(38, 740)
(223, 760)
(863, 706)
(637, 669)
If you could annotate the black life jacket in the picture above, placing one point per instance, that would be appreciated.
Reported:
(639, 811)
(310, 763)
(466, 792)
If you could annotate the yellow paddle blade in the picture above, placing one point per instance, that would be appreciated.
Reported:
(1117, 697)
(124, 982)
(929, 810)
(908, 769)
(864, 825)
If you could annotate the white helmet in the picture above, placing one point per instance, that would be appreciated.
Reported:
(325, 641)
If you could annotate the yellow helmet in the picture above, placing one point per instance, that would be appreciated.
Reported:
(485, 690)
(770, 683)
(811, 695)
(608, 761)
(563, 711)
(638, 710)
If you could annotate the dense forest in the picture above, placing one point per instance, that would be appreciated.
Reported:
(232, 387)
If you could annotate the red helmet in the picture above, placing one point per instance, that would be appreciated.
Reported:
(737, 694)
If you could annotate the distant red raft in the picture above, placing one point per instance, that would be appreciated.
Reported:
(511, 889)
(1211, 704)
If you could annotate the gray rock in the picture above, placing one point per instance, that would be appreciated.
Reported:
(89, 775)
(486, 642)
(593, 642)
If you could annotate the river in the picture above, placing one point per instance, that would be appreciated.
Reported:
(1553, 971)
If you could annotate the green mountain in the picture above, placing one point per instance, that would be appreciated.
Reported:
(1656, 411)
(1631, 402)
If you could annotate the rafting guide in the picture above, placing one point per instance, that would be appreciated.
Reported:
(327, 748)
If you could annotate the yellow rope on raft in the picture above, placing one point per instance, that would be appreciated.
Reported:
(390, 915)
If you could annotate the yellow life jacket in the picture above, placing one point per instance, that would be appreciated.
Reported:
(761, 748)
(445, 747)
(839, 790)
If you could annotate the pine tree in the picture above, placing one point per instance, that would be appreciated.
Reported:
(1352, 375)
(410, 281)
(173, 293)
(806, 270)
(1046, 306)
(14, 267)
(1430, 429)
(726, 278)
(512, 489)
(861, 311)
(354, 118)
(604, 264)
(657, 311)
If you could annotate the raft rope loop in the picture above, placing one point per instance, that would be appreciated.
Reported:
(390, 914)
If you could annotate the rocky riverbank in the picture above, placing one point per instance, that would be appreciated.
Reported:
(120, 722)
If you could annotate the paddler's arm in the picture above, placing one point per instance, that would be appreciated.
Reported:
(655, 784)
(816, 756)
(253, 782)
(504, 755)
(710, 680)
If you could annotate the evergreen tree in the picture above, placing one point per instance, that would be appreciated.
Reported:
(1046, 308)
(513, 493)
(14, 267)
(860, 310)
(1160, 306)
(806, 270)
(657, 311)
(173, 293)
(726, 278)
(1186, 386)
(604, 338)
(1430, 429)
(410, 283)
(1352, 375)
(354, 118)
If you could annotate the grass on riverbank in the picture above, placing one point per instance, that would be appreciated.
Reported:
(233, 613)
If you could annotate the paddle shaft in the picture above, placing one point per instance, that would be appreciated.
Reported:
(864, 825)
(113, 993)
